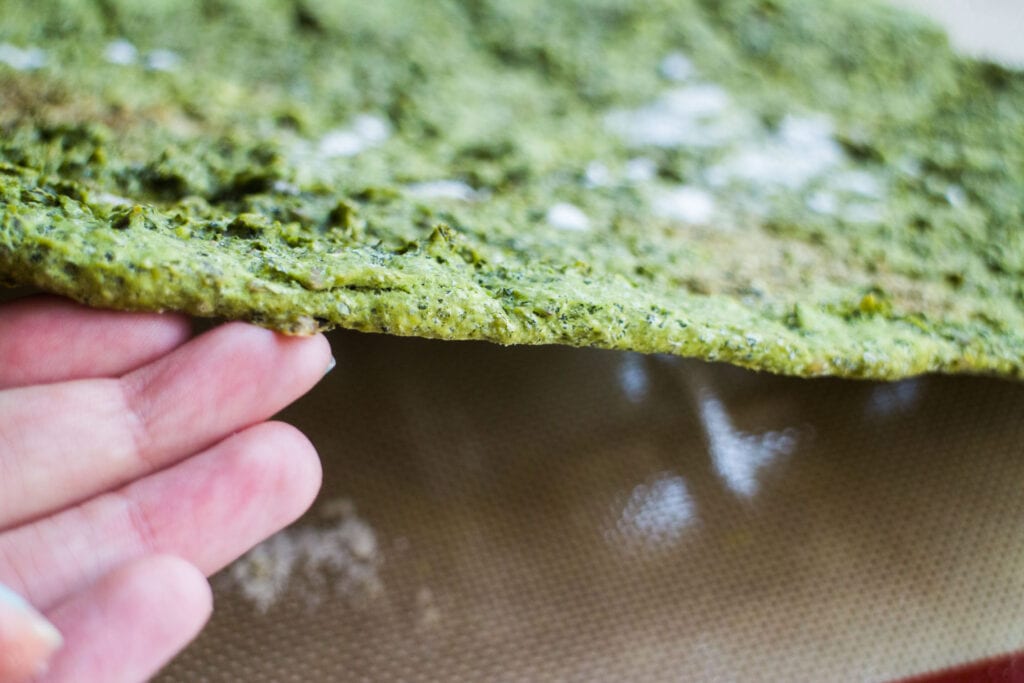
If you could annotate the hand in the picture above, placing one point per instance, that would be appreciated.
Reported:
(134, 461)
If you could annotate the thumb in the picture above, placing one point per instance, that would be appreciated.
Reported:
(27, 639)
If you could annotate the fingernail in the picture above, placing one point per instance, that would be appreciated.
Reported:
(46, 632)
(12, 599)
(330, 366)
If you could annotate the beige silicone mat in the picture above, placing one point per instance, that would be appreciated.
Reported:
(550, 514)
(554, 514)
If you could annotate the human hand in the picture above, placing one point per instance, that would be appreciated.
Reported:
(134, 461)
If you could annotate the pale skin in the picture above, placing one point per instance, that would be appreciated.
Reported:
(135, 461)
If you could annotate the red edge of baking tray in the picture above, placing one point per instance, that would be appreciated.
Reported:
(1005, 669)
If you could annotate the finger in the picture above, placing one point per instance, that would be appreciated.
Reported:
(208, 510)
(131, 622)
(27, 639)
(62, 443)
(46, 339)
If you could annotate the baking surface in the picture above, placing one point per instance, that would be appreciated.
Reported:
(557, 514)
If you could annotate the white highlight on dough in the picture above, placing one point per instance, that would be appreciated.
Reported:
(641, 170)
(860, 183)
(22, 59)
(597, 175)
(677, 67)
(284, 187)
(824, 203)
(637, 171)
(341, 143)
(853, 195)
(163, 60)
(441, 189)
(364, 132)
(684, 203)
(565, 216)
(699, 115)
(110, 199)
(373, 129)
(121, 52)
(802, 154)
(802, 150)
(863, 213)
(698, 101)
(956, 196)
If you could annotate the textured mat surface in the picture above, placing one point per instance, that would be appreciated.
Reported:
(553, 514)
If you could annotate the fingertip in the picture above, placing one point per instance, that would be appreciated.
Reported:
(288, 464)
(253, 484)
(132, 621)
(243, 354)
(312, 353)
(184, 602)
(186, 589)
(306, 356)
(323, 349)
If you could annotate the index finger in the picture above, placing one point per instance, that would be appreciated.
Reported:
(45, 339)
(62, 443)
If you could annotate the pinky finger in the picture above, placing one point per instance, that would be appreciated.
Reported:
(131, 622)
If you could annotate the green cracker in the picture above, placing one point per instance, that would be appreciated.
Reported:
(805, 187)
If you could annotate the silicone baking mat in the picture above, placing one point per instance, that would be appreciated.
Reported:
(558, 514)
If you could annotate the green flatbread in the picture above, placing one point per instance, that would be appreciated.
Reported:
(806, 187)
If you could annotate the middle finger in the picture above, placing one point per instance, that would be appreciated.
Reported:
(207, 510)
